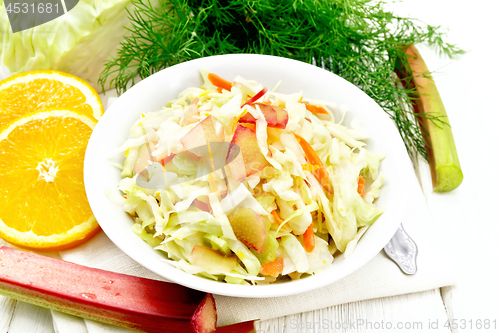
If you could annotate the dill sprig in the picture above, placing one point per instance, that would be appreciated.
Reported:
(356, 39)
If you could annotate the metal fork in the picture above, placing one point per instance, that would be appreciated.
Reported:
(403, 251)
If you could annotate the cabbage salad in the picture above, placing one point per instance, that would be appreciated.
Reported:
(245, 185)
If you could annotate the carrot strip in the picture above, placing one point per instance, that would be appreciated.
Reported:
(361, 185)
(272, 268)
(219, 82)
(308, 238)
(312, 157)
(278, 219)
(315, 108)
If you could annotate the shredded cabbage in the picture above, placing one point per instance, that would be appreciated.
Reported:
(179, 204)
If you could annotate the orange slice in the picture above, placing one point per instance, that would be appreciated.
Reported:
(29, 92)
(43, 205)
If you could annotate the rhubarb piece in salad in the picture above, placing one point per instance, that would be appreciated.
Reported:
(213, 261)
(205, 142)
(202, 203)
(144, 158)
(256, 97)
(246, 140)
(108, 297)
(250, 228)
(202, 134)
(276, 116)
(281, 117)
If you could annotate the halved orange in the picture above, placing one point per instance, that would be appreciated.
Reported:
(29, 92)
(43, 205)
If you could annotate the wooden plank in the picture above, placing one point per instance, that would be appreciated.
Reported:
(31, 319)
(7, 307)
(76, 324)
(410, 313)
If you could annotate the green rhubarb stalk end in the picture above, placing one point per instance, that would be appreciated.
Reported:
(442, 154)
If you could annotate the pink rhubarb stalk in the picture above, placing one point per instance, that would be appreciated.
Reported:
(108, 297)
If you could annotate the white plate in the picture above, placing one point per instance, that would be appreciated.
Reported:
(154, 92)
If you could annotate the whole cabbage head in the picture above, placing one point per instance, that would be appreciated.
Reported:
(78, 42)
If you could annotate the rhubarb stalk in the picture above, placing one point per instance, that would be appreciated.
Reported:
(108, 297)
(442, 153)
(244, 327)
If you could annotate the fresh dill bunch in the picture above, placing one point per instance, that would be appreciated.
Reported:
(356, 39)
